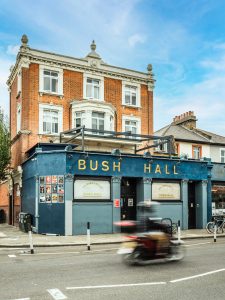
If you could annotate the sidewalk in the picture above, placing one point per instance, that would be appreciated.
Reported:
(11, 236)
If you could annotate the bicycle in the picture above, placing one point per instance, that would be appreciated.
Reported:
(172, 227)
(220, 225)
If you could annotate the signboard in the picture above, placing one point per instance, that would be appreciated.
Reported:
(165, 191)
(91, 189)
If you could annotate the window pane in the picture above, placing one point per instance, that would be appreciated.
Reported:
(54, 85)
(46, 72)
(96, 92)
(133, 99)
(46, 83)
(88, 90)
(54, 74)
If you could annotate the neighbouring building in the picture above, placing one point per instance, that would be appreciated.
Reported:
(195, 143)
(82, 147)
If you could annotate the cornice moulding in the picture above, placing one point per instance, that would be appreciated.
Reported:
(80, 65)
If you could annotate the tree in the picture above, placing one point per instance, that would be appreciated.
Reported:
(4, 145)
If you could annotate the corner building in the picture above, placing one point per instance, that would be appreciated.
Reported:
(79, 130)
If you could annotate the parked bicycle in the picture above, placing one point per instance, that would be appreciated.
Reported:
(172, 226)
(219, 222)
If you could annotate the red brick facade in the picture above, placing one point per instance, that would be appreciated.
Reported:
(30, 98)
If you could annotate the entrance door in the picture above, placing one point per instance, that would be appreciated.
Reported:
(128, 199)
(191, 206)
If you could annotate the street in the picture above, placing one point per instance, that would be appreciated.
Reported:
(75, 273)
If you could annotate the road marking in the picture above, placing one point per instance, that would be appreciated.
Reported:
(57, 294)
(11, 255)
(114, 285)
(71, 252)
(196, 276)
(23, 299)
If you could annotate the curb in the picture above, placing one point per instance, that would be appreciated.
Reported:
(97, 243)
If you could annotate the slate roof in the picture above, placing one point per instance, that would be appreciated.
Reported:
(183, 133)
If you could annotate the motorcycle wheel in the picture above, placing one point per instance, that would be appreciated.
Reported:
(177, 252)
(132, 258)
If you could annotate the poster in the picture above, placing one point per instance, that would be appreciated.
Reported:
(51, 189)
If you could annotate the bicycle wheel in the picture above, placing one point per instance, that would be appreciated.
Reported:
(174, 228)
(210, 227)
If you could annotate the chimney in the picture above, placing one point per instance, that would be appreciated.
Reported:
(187, 119)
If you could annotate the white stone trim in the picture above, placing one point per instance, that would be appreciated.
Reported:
(101, 89)
(131, 118)
(52, 107)
(60, 79)
(138, 86)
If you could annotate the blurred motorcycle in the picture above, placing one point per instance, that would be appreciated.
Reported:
(148, 240)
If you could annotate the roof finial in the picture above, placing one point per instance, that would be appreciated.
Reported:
(24, 40)
(93, 46)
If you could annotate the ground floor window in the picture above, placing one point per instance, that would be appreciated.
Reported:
(166, 191)
(91, 190)
(218, 199)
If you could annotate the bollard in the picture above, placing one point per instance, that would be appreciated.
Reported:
(178, 231)
(215, 230)
(88, 236)
(31, 242)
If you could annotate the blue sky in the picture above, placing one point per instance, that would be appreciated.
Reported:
(183, 40)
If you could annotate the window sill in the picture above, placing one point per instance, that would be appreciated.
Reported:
(51, 94)
(94, 99)
(131, 106)
(49, 134)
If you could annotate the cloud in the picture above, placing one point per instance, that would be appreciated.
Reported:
(136, 38)
(12, 50)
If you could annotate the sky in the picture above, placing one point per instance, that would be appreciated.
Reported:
(183, 40)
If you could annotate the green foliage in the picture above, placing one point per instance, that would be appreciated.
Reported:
(4, 146)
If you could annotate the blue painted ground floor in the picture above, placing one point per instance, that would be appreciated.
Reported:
(63, 190)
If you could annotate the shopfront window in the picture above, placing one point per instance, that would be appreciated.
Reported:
(218, 199)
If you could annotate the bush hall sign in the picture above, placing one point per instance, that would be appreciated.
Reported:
(117, 166)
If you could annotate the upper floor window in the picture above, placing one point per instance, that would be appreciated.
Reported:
(18, 118)
(51, 80)
(98, 120)
(79, 119)
(50, 119)
(196, 152)
(131, 94)
(222, 155)
(19, 82)
(93, 88)
(131, 126)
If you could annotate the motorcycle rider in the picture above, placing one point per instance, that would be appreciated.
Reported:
(150, 225)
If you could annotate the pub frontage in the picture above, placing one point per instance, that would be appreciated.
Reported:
(63, 189)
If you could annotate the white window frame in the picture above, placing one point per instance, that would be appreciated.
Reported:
(43, 68)
(98, 118)
(19, 81)
(57, 108)
(82, 117)
(131, 118)
(18, 118)
(90, 106)
(101, 86)
(222, 157)
(138, 93)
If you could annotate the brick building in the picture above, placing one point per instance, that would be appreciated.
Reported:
(51, 93)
